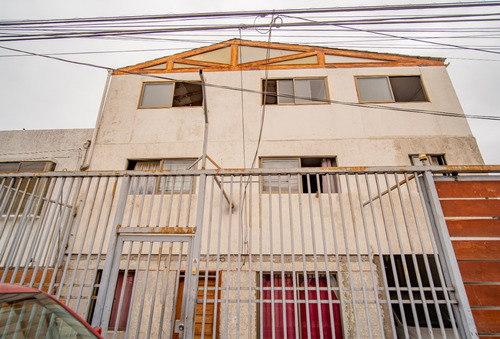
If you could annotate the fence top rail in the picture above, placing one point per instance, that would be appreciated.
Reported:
(459, 169)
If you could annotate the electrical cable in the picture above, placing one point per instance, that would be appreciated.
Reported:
(260, 93)
(266, 74)
(238, 14)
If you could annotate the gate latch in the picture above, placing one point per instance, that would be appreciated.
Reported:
(179, 327)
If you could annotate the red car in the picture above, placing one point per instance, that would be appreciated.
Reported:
(26, 312)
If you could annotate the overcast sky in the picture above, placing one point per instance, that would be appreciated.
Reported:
(38, 93)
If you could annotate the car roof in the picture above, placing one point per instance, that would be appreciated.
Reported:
(12, 288)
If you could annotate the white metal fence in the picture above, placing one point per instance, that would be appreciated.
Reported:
(244, 253)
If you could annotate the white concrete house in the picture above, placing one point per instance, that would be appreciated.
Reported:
(311, 217)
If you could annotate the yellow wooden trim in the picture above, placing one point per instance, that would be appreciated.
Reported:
(200, 63)
(391, 60)
(234, 55)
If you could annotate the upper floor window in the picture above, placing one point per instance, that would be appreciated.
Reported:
(391, 89)
(294, 91)
(150, 185)
(171, 94)
(19, 192)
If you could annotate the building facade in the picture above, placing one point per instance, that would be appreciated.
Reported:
(249, 189)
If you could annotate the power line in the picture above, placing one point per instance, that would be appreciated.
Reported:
(141, 30)
(360, 105)
(258, 13)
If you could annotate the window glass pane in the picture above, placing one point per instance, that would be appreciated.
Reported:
(157, 95)
(177, 182)
(302, 90)
(275, 181)
(407, 89)
(374, 89)
(33, 166)
(285, 91)
(310, 90)
(9, 167)
(318, 90)
(145, 184)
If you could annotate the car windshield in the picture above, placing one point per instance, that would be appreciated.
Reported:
(35, 315)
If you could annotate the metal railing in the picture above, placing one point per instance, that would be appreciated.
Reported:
(239, 253)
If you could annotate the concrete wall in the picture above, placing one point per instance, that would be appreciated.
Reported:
(358, 136)
(64, 147)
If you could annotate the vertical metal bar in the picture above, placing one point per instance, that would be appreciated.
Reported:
(31, 257)
(101, 243)
(391, 259)
(251, 277)
(315, 256)
(402, 254)
(440, 266)
(30, 235)
(143, 292)
(134, 288)
(304, 261)
(369, 252)
(207, 264)
(358, 254)
(65, 232)
(294, 268)
(111, 250)
(49, 230)
(176, 288)
(271, 256)
(228, 261)
(238, 287)
(162, 199)
(170, 205)
(82, 239)
(216, 301)
(92, 240)
(261, 259)
(192, 279)
(124, 286)
(190, 196)
(348, 259)
(282, 247)
(424, 254)
(466, 321)
(325, 252)
(166, 270)
(380, 256)
(157, 273)
(337, 259)
(414, 257)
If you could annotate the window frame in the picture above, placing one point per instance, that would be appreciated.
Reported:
(387, 77)
(336, 184)
(174, 84)
(158, 180)
(293, 79)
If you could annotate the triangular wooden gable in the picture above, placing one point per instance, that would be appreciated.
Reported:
(235, 55)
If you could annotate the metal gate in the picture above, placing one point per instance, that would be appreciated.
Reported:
(143, 284)
(250, 253)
